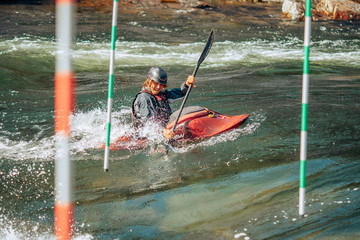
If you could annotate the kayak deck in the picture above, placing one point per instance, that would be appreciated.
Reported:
(205, 124)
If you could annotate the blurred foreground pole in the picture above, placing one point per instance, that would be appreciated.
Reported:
(111, 85)
(64, 103)
(304, 108)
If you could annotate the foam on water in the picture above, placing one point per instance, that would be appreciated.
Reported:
(89, 128)
(222, 53)
(94, 56)
(23, 150)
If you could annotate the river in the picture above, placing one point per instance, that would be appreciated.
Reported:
(242, 184)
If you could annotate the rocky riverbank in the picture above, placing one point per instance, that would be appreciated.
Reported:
(346, 10)
(322, 10)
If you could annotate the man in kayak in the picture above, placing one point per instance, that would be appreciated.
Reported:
(152, 102)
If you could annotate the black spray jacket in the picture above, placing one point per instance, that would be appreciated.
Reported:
(147, 106)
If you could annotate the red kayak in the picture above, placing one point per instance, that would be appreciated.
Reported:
(196, 123)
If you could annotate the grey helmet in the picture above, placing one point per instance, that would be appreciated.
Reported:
(158, 75)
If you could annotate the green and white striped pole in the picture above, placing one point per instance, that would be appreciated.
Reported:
(304, 108)
(111, 86)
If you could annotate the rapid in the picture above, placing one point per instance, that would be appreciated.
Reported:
(242, 184)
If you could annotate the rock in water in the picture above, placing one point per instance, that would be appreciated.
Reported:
(293, 9)
(340, 9)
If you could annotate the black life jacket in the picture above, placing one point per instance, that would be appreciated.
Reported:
(163, 109)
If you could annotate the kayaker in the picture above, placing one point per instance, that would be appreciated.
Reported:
(152, 102)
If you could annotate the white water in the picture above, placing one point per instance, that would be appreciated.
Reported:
(95, 56)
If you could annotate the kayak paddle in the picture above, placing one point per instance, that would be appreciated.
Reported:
(201, 59)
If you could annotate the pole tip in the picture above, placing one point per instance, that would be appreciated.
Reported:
(106, 170)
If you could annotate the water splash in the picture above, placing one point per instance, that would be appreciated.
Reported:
(89, 132)
(23, 150)
(15, 230)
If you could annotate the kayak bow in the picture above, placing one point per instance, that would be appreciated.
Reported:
(201, 124)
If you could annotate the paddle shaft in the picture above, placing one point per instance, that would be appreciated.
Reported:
(201, 59)
(182, 107)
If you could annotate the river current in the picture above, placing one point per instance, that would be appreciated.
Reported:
(242, 184)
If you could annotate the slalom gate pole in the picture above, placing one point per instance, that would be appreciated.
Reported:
(64, 104)
(111, 86)
(304, 108)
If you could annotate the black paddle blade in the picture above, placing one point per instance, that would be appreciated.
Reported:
(205, 52)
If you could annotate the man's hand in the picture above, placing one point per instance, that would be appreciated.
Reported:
(190, 80)
(168, 133)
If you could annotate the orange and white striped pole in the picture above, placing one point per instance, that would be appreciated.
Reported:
(64, 105)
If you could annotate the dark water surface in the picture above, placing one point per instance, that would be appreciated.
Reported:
(242, 184)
